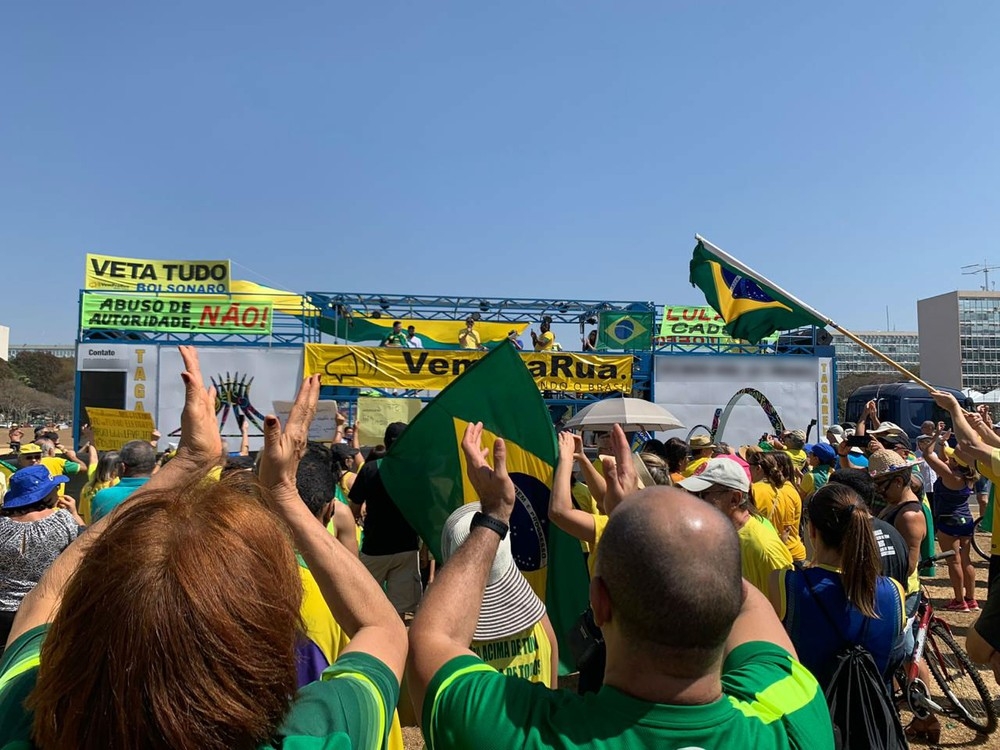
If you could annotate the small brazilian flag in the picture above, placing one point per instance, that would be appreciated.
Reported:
(424, 473)
(624, 330)
(752, 311)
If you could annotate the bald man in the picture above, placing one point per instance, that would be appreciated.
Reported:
(696, 656)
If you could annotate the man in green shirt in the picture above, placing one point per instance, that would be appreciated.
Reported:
(695, 656)
(396, 338)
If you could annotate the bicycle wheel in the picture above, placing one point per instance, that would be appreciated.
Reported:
(981, 540)
(959, 679)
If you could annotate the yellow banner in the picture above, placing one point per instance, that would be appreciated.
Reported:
(157, 276)
(422, 369)
(115, 427)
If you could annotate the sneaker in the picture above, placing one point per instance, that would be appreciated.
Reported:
(957, 606)
(972, 604)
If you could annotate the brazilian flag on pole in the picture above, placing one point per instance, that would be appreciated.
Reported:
(624, 330)
(424, 472)
(752, 306)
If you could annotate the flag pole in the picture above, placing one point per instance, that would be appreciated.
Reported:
(747, 271)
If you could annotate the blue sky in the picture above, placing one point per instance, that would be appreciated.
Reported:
(544, 149)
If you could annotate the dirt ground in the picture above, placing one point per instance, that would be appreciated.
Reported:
(953, 734)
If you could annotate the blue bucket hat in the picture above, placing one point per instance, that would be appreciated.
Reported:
(30, 485)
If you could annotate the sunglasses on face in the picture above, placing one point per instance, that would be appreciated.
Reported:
(704, 494)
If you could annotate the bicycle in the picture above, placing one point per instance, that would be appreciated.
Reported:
(982, 551)
(965, 696)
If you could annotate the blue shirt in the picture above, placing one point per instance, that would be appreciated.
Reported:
(110, 498)
(817, 640)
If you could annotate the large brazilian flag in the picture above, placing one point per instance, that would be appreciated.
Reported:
(752, 311)
(424, 472)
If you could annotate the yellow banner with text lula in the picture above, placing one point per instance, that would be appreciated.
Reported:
(424, 369)
(157, 276)
(115, 427)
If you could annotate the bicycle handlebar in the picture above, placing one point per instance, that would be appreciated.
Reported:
(928, 561)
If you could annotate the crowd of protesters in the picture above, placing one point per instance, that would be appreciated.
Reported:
(142, 618)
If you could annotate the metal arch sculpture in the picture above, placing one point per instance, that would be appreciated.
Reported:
(769, 411)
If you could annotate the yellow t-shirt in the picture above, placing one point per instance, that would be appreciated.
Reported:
(527, 654)
(783, 508)
(692, 468)
(798, 458)
(87, 496)
(761, 553)
(325, 632)
(993, 474)
(471, 339)
(544, 341)
(57, 467)
(600, 524)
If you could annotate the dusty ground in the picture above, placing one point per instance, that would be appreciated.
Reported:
(953, 734)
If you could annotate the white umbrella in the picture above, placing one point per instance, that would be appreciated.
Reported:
(630, 413)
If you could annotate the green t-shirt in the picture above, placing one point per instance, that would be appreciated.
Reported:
(395, 339)
(769, 701)
(351, 707)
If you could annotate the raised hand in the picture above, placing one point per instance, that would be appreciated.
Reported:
(946, 401)
(284, 447)
(567, 447)
(493, 485)
(620, 474)
(200, 440)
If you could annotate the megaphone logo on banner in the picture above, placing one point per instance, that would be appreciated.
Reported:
(351, 365)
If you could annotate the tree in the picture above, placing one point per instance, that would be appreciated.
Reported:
(45, 372)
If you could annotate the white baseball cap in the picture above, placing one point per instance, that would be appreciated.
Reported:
(720, 472)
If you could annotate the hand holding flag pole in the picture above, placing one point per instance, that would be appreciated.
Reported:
(755, 307)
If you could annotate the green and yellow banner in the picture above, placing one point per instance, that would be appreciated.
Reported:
(696, 324)
(169, 314)
(423, 369)
(433, 334)
(156, 276)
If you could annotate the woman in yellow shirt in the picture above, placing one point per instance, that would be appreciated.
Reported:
(777, 500)
(101, 473)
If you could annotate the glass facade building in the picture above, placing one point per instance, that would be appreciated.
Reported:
(960, 340)
(852, 359)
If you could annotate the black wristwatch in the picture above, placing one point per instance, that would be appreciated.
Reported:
(491, 523)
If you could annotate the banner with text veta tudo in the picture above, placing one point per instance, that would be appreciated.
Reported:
(168, 314)
(156, 276)
(421, 369)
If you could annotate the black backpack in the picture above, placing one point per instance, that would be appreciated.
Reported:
(861, 708)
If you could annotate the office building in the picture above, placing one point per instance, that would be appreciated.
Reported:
(66, 351)
(960, 340)
(852, 359)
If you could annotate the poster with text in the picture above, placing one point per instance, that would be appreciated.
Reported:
(248, 380)
(741, 397)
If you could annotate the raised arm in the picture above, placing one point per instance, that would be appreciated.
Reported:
(968, 439)
(757, 621)
(356, 600)
(591, 476)
(575, 522)
(446, 622)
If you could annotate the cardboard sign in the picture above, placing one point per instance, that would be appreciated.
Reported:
(375, 414)
(324, 424)
(115, 427)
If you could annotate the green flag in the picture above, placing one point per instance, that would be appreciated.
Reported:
(751, 308)
(424, 473)
(624, 330)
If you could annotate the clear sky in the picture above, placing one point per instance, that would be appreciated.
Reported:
(530, 149)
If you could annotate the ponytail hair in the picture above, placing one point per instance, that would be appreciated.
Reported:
(843, 523)
(769, 465)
